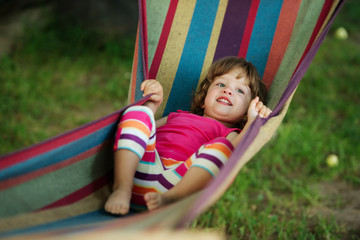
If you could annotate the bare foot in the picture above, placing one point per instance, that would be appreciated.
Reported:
(118, 202)
(154, 200)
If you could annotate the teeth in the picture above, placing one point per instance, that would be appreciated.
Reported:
(223, 100)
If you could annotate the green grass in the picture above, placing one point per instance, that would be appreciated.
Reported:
(59, 78)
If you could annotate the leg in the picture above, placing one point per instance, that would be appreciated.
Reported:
(125, 163)
(203, 166)
(136, 127)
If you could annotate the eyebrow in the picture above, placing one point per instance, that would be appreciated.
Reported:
(245, 86)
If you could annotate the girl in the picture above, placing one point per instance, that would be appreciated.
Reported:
(159, 162)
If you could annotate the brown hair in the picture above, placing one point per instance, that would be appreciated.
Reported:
(224, 66)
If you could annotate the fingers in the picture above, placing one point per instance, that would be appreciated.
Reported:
(143, 84)
(260, 108)
(154, 88)
(253, 103)
(263, 111)
(253, 112)
(151, 86)
(148, 86)
(267, 113)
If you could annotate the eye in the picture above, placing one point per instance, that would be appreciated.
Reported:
(220, 85)
(239, 90)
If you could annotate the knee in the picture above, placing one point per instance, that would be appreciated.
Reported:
(135, 129)
(138, 114)
(139, 111)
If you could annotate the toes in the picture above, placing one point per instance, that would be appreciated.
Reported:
(117, 208)
(109, 207)
(150, 196)
(153, 200)
(118, 203)
(124, 210)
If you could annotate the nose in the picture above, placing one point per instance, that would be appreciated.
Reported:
(228, 91)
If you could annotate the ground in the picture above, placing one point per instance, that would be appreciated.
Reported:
(338, 200)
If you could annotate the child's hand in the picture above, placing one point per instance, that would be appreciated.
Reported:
(151, 86)
(256, 108)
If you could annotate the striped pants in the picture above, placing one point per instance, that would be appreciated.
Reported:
(137, 133)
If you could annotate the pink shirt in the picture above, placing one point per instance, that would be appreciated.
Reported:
(184, 133)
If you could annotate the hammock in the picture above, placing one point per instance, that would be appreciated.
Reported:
(59, 186)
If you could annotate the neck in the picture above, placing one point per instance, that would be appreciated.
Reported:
(226, 124)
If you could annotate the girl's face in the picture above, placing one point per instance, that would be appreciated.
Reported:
(228, 98)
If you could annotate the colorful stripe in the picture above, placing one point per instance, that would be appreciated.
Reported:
(59, 154)
(301, 69)
(248, 28)
(81, 193)
(133, 83)
(164, 182)
(140, 75)
(61, 168)
(135, 130)
(307, 16)
(55, 217)
(334, 5)
(135, 124)
(264, 45)
(233, 28)
(180, 171)
(155, 62)
(263, 32)
(174, 48)
(281, 40)
(143, 35)
(213, 156)
(213, 42)
(323, 15)
(45, 190)
(190, 65)
(60, 141)
(156, 16)
(16, 180)
(168, 162)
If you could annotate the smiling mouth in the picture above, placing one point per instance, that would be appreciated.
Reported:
(224, 100)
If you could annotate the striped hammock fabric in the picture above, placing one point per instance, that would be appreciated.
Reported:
(58, 187)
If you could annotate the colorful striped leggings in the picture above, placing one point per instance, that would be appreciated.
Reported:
(137, 133)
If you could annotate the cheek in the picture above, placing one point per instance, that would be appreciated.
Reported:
(206, 101)
(203, 103)
(247, 99)
(208, 97)
(244, 103)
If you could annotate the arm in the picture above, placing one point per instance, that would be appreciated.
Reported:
(161, 122)
(256, 108)
(153, 87)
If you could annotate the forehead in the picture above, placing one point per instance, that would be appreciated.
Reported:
(236, 73)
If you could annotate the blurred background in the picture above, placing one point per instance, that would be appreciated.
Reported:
(65, 63)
